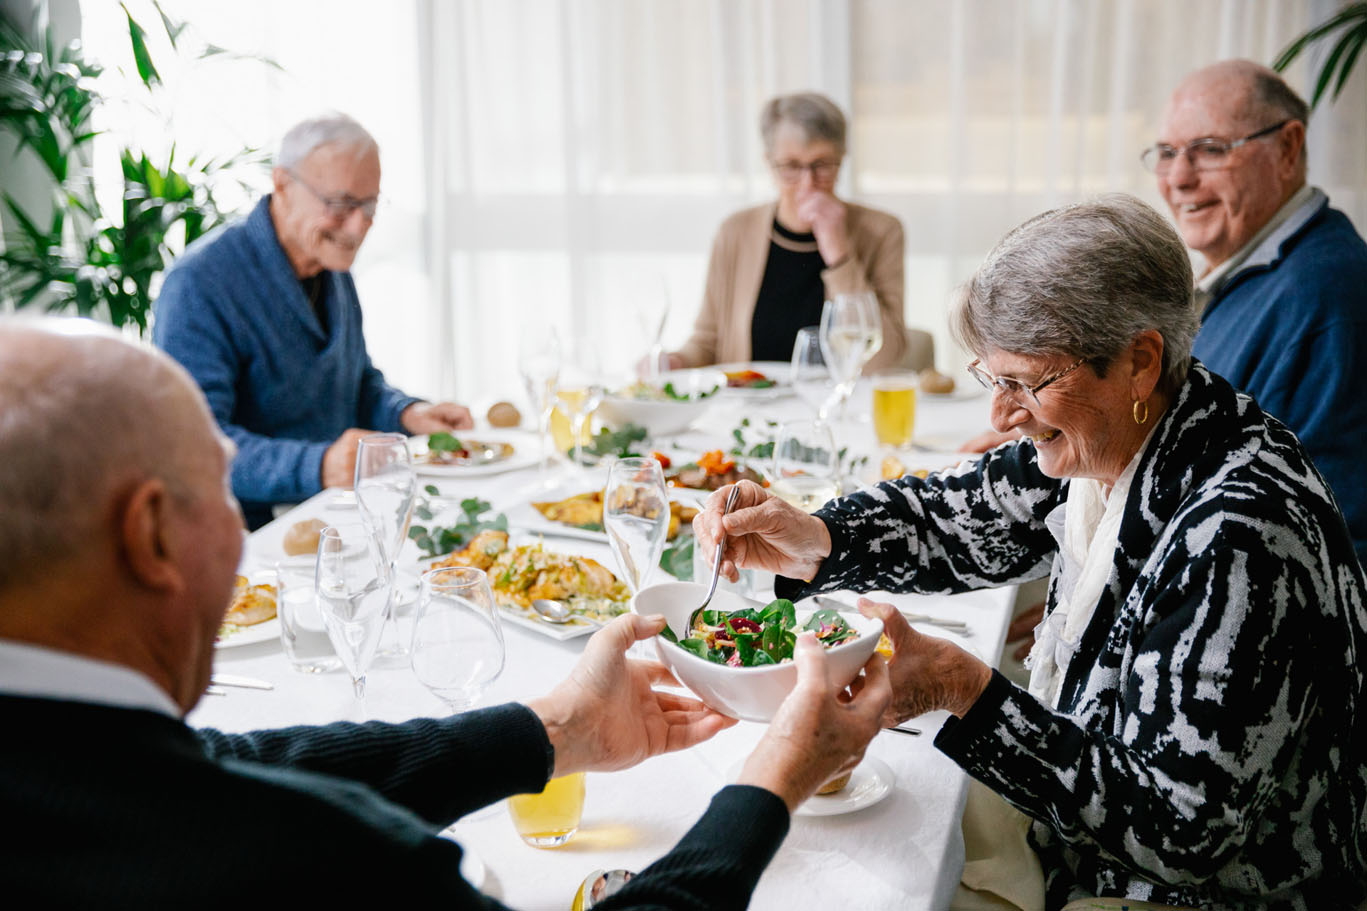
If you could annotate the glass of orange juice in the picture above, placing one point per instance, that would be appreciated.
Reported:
(549, 819)
(894, 408)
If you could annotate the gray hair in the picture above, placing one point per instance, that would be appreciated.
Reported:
(1083, 281)
(330, 129)
(78, 417)
(1271, 100)
(814, 114)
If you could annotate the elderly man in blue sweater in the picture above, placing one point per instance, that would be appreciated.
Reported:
(1283, 298)
(264, 314)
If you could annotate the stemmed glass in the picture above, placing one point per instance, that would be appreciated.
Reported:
(386, 486)
(851, 333)
(579, 396)
(636, 517)
(810, 377)
(353, 591)
(806, 469)
(538, 362)
(457, 639)
(651, 315)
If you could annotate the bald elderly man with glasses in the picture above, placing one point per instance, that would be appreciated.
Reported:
(265, 316)
(1282, 294)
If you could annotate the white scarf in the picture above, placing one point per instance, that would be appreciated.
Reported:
(1087, 527)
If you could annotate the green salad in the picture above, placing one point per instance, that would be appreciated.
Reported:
(755, 637)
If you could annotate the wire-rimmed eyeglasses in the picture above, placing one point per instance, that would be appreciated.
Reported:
(822, 169)
(1014, 388)
(341, 207)
(1207, 154)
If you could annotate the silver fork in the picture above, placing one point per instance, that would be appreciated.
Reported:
(721, 543)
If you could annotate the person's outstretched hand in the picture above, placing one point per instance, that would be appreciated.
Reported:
(606, 714)
(762, 532)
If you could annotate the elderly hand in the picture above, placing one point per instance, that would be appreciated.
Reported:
(927, 672)
(820, 730)
(339, 459)
(607, 716)
(826, 215)
(762, 532)
(426, 417)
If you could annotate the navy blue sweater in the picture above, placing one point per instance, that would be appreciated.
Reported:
(233, 313)
(1290, 329)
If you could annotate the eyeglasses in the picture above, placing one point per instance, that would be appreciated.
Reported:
(792, 171)
(1013, 388)
(1208, 154)
(341, 207)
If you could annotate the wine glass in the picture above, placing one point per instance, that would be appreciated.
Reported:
(810, 377)
(806, 470)
(386, 486)
(353, 593)
(851, 333)
(457, 638)
(579, 395)
(636, 517)
(538, 362)
(651, 315)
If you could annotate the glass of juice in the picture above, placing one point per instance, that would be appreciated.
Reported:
(894, 408)
(549, 819)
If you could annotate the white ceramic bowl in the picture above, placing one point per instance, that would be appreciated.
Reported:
(749, 693)
(661, 417)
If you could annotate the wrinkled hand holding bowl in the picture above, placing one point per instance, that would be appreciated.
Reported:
(748, 693)
(665, 416)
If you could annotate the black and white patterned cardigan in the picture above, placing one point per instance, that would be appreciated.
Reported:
(1208, 749)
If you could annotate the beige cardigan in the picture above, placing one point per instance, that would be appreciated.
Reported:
(739, 254)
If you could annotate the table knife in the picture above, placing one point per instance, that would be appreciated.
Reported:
(953, 625)
(250, 683)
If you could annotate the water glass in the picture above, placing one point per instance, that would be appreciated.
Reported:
(303, 635)
(457, 637)
(809, 375)
(550, 818)
(894, 408)
(636, 517)
(386, 487)
(538, 363)
(806, 467)
(851, 333)
(352, 585)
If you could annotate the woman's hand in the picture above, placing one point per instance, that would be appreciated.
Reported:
(826, 215)
(762, 532)
(927, 672)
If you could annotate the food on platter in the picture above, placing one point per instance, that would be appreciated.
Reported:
(519, 575)
(667, 392)
(302, 537)
(585, 510)
(892, 469)
(504, 414)
(935, 382)
(752, 637)
(748, 379)
(446, 449)
(251, 604)
(713, 471)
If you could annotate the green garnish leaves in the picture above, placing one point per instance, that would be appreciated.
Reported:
(443, 442)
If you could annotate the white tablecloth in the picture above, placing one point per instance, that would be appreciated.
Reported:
(904, 852)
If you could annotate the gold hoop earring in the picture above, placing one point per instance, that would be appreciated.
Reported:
(1141, 417)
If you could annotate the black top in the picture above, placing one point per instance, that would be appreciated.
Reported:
(790, 296)
(128, 808)
(316, 290)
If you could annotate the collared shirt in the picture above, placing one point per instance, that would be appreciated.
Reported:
(1293, 213)
(33, 670)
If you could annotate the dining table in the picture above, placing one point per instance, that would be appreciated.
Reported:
(901, 849)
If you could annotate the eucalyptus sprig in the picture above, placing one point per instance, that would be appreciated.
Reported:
(438, 540)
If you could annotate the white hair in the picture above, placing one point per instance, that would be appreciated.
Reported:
(81, 410)
(330, 129)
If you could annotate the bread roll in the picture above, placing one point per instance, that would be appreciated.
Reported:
(504, 414)
(934, 381)
(302, 537)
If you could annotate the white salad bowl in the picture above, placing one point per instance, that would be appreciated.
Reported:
(748, 693)
(665, 416)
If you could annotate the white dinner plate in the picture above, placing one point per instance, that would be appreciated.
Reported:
(525, 454)
(870, 782)
(778, 371)
(250, 635)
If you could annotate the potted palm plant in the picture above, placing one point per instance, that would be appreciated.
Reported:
(1351, 25)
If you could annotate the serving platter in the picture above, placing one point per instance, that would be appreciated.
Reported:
(778, 371)
(497, 451)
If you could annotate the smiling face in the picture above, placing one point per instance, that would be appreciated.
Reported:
(313, 238)
(1218, 211)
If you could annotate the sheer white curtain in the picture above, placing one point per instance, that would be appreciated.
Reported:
(566, 160)
(581, 153)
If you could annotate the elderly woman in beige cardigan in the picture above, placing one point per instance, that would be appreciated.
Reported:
(774, 265)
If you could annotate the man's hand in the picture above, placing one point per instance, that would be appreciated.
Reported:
(820, 730)
(762, 532)
(988, 439)
(426, 417)
(339, 459)
(927, 672)
(606, 715)
(826, 215)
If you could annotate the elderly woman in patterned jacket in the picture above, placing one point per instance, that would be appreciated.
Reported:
(1191, 733)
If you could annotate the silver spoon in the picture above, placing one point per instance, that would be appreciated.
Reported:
(721, 543)
(552, 611)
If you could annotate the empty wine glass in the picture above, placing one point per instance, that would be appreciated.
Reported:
(636, 517)
(806, 470)
(810, 377)
(457, 639)
(353, 592)
(386, 486)
(538, 362)
(851, 333)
